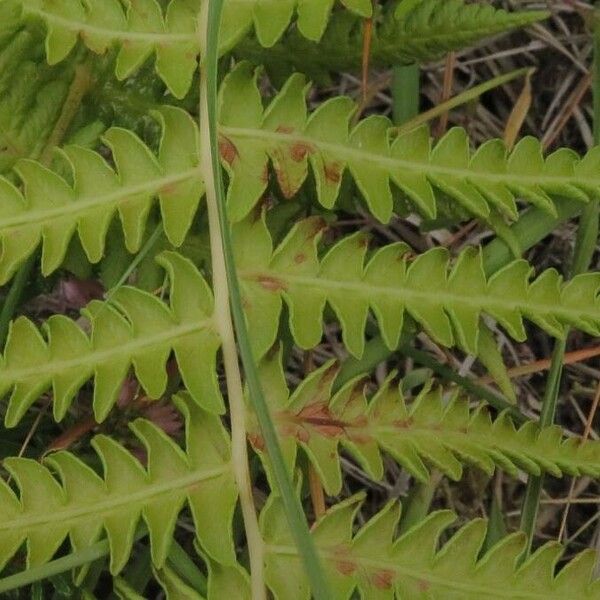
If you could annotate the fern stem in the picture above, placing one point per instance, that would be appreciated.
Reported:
(412, 121)
(209, 20)
(79, 88)
(226, 287)
(137, 259)
(417, 505)
(585, 245)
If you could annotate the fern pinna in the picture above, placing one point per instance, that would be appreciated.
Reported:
(484, 182)
(146, 331)
(244, 209)
(85, 505)
(444, 434)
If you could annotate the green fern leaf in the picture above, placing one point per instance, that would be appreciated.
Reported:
(143, 29)
(135, 328)
(384, 567)
(83, 504)
(431, 431)
(447, 299)
(426, 29)
(285, 135)
(51, 210)
(412, 32)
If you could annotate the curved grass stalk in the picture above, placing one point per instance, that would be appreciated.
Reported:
(226, 287)
(465, 97)
(209, 19)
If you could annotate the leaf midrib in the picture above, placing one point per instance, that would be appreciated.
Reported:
(96, 357)
(377, 564)
(484, 441)
(453, 440)
(351, 154)
(70, 514)
(125, 35)
(82, 204)
(437, 297)
(343, 151)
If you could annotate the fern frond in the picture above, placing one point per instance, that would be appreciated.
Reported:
(287, 136)
(381, 565)
(143, 29)
(411, 32)
(51, 209)
(83, 505)
(426, 29)
(137, 329)
(446, 298)
(134, 329)
(432, 430)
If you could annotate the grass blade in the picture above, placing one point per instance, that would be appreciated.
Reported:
(294, 511)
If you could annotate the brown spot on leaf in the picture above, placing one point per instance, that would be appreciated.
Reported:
(272, 283)
(227, 150)
(383, 580)
(300, 150)
(302, 435)
(363, 241)
(360, 438)
(257, 441)
(333, 172)
(284, 129)
(423, 585)
(327, 379)
(300, 258)
(169, 189)
(264, 176)
(404, 423)
(345, 567)
(316, 226)
(285, 184)
(320, 418)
